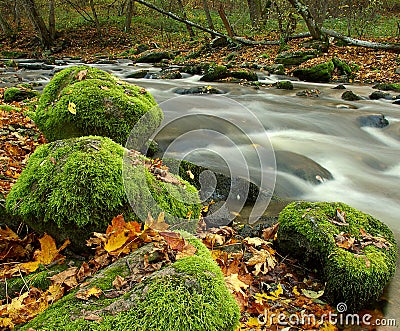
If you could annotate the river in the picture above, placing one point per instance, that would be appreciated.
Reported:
(364, 161)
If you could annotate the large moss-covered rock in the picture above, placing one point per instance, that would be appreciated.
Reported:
(295, 58)
(71, 188)
(320, 73)
(81, 101)
(188, 295)
(355, 277)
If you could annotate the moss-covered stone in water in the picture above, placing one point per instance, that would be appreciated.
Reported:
(306, 232)
(104, 106)
(320, 73)
(18, 94)
(71, 188)
(215, 72)
(388, 87)
(284, 85)
(189, 295)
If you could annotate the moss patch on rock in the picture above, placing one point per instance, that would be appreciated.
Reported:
(19, 94)
(320, 73)
(71, 188)
(307, 231)
(82, 101)
(188, 295)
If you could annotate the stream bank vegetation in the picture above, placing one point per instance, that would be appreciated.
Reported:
(364, 33)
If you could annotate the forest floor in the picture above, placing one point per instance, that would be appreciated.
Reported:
(373, 66)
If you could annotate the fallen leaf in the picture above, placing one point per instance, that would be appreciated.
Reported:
(86, 294)
(81, 75)
(234, 284)
(312, 294)
(72, 108)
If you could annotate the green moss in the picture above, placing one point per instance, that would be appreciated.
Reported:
(187, 295)
(215, 72)
(342, 67)
(9, 108)
(104, 106)
(320, 73)
(18, 94)
(388, 87)
(71, 188)
(306, 232)
(284, 84)
(39, 279)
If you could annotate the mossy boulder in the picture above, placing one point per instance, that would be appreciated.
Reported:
(188, 295)
(19, 93)
(244, 74)
(388, 87)
(82, 101)
(350, 96)
(295, 58)
(320, 73)
(214, 73)
(71, 188)
(154, 56)
(355, 277)
(284, 85)
(342, 67)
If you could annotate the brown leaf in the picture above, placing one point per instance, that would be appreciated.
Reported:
(119, 282)
(269, 233)
(81, 75)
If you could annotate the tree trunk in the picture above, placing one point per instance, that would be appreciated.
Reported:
(52, 19)
(188, 26)
(38, 23)
(95, 18)
(8, 31)
(129, 14)
(208, 16)
(255, 11)
(361, 43)
(224, 19)
(312, 26)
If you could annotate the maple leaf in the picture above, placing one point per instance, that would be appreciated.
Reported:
(47, 254)
(270, 232)
(159, 224)
(234, 284)
(261, 259)
(66, 278)
(86, 294)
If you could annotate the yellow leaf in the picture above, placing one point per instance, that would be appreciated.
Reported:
(72, 108)
(86, 294)
(6, 323)
(274, 295)
(295, 291)
(116, 241)
(252, 321)
(234, 284)
(159, 224)
(328, 327)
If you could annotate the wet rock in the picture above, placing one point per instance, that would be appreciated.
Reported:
(153, 56)
(374, 121)
(138, 74)
(295, 58)
(309, 93)
(244, 74)
(320, 73)
(302, 167)
(350, 96)
(35, 66)
(199, 90)
(214, 73)
(195, 69)
(339, 87)
(397, 102)
(284, 85)
(379, 95)
(276, 69)
(19, 94)
(170, 74)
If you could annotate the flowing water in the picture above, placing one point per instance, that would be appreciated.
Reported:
(364, 162)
